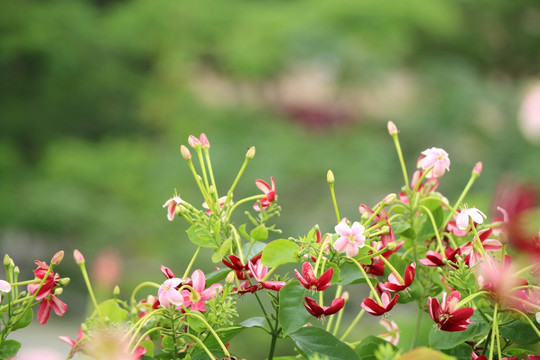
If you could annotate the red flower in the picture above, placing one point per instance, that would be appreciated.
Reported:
(48, 303)
(445, 314)
(49, 284)
(270, 193)
(394, 284)
(320, 312)
(309, 279)
(433, 258)
(236, 264)
(259, 271)
(375, 309)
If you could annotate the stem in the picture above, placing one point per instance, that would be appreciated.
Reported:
(210, 171)
(417, 328)
(139, 287)
(89, 287)
(223, 347)
(334, 201)
(208, 352)
(238, 176)
(493, 332)
(338, 294)
(251, 198)
(469, 298)
(191, 263)
(353, 324)
(387, 263)
(434, 225)
(402, 163)
(142, 337)
(528, 320)
(377, 298)
(473, 177)
(198, 181)
(275, 333)
(340, 315)
(238, 245)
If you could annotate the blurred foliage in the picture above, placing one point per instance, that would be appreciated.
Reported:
(97, 96)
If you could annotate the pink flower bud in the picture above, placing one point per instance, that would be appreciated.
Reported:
(388, 199)
(392, 129)
(193, 141)
(57, 258)
(250, 153)
(204, 141)
(186, 154)
(79, 258)
(477, 168)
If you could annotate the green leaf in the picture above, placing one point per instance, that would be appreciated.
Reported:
(225, 334)
(313, 340)
(519, 332)
(200, 236)
(149, 346)
(350, 274)
(439, 339)
(260, 233)
(362, 256)
(243, 232)
(424, 353)
(280, 252)
(292, 312)
(427, 231)
(217, 276)
(225, 247)
(9, 348)
(111, 310)
(249, 250)
(168, 343)
(258, 321)
(195, 323)
(460, 352)
(24, 321)
(366, 349)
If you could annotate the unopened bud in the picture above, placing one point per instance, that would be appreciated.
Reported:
(193, 141)
(7, 261)
(186, 154)
(391, 246)
(57, 258)
(116, 291)
(16, 270)
(392, 129)
(58, 291)
(477, 168)
(250, 153)
(231, 276)
(388, 199)
(79, 258)
(330, 177)
(204, 141)
(64, 281)
(345, 295)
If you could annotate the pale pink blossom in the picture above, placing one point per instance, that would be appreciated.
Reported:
(221, 202)
(5, 287)
(462, 219)
(351, 238)
(270, 193)
(529, 115)
(197, 297)
(171, 206)
(435, 159)
(168, 294)
(392, 331)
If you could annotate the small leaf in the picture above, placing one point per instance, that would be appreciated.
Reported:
(280, 252)
(460, 352)
(313, 340)
(519, 332)
(24, 321)
(292, 312)
(216, 276)
(258, 321)
(200, 236)
(149, 346)
(251, 249)
(9, 348)
(243, 232)
(260, 233)
(111, 310)
(367, 348)
(195, 323)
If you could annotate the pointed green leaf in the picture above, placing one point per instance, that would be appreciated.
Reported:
(24, 321)
(111, 310)
(260, 233)
(312, 340)
(200, 236)
(292, 312)
(9, 348)
(280, 252)
(367, 348)
(520, 332)
(439, 339)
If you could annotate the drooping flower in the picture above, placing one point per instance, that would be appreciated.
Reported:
(171, 206)
(270, 193)
(445, 314)
(196, 298)
(392, 331)
(433, 258)
(259, 271)
(50, 282)
(395, 284)
(462, 219)
(240, 268)
(351, 238)
(47, 303)
(473, 257)
(435, 159)
(322, 311)
(309, 280)
(376, 309)
(168, 293)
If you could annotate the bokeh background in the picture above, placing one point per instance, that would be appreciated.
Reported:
(97, 96)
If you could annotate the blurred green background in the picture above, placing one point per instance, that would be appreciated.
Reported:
(97, 96)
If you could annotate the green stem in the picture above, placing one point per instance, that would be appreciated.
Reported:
(473, 177)
(188, 269)
(275, 333)
(142, 338)
(528, 320)
(469, 298)
(235, 182)
(402, 163)
(203, 320)
(493, 332)
(202, 189)
(340, 314)
(377, 298)
(139, 287)
(353, 324)
(210, 171)
(417, 328)
(334, 201)
(387, 263)
(339, 289)
(89, 287)
(206, 350)
(434, 225)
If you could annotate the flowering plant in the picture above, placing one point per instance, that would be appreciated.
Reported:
(412, 247)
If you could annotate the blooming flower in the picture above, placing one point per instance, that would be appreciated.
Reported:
(435, 159)
(5, 287)
(168, 294)
(376, 309)
(445, 314)
(270, 193)
(322, 311)
(472, 257)
(462, 219)
(171, 205)
(351, 238)
(259, 271)
(394, 284)
(50, 282)
(196, 298)
(433, 258)
(50, 301)
(392, 332)
(70, 341)
(310, 280)
(236, 264)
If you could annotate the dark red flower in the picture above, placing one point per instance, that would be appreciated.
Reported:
(50, 282)
(310, 281)
(433, 258)
(322, 311)
(167, 272)
(394, 284)
(375, 309)
(445, 314)
(236, 264)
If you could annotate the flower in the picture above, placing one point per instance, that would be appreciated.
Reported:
(167, 272)
(310, 280)
(351, 238)
(221, 202)
(270, 193)
(236, 264)
(70, 341)
(488, 244)
(50, 282)
(435, 159)
(171, 205)
(462, 219)
(394, 284)
(168, 294)
(320, 312)
(259, 271)
(392, 332)
(434, 258)
(196, 297)
(50, 301)
(376, 309)
(445, 314)
(5, 287)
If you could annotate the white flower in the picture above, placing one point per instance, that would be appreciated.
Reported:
(462, 219)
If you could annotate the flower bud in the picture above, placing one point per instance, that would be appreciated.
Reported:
(58, 291)
(250, 153)
(391, 246)
(477, 168)
(16, 270)
(388, 199)
(116, 291)
(79, 258)
(231, 276)
(186, 154)
(392, 129)
(193, 141)
(204, 141)
(64, 281)
(330, 177)
(7, 261)
(57, 258)
(345, 296)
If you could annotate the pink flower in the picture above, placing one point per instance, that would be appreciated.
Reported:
(70, 341)
(5, 287)
(168, 293)
(322, 311)
(171, 205)
(221, 202)
(435, 159)
(445, 314)
(529, 115)
(259, 271)
(197, 297)
(392, 332)
(49, 284)
(375, 309)
(351, 238)
(394, 284)
(270, 193)
(462, 219)
(434, 258)
(488, 244)
(48, 303)
(310, 280)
